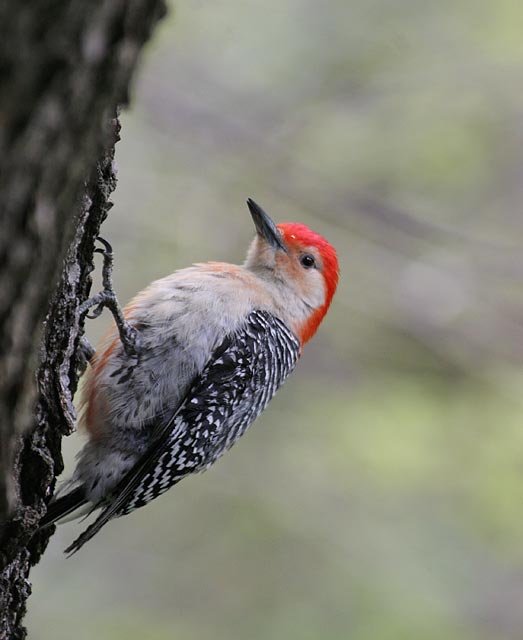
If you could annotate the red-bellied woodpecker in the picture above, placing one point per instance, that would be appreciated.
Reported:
(198, 356)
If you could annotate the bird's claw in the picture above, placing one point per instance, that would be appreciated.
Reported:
(107, 246)
(107, 298)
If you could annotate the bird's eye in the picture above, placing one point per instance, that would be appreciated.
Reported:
(307, 261)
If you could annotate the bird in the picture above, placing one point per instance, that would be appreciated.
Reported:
(211, 344)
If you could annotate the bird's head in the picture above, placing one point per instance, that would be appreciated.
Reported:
(299, 260)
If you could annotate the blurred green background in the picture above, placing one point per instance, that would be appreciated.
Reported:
(380, 495)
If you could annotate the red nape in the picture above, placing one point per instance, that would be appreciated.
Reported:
(299, 234)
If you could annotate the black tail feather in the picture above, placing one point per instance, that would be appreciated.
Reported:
(63, 506)
(91, 530)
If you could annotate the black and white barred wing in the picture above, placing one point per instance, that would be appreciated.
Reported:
(235, 386)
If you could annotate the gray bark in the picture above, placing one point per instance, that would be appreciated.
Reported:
(65, 66)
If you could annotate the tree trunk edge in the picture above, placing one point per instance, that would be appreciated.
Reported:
(65, 68)
(38, 459)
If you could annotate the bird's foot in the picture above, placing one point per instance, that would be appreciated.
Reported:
(107, 299)
(84, 354)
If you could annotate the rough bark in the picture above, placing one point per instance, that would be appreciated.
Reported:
(65, 66)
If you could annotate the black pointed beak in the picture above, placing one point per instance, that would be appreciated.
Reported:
(265, 226)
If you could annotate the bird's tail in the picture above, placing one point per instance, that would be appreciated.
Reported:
(66, 505)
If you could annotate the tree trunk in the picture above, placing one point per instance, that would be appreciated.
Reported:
(65, 66)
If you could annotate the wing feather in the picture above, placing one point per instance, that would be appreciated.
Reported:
(234, 387)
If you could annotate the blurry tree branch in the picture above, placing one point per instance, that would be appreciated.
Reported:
(64, 69)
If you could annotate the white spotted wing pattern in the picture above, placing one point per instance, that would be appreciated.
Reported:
(234, 387)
